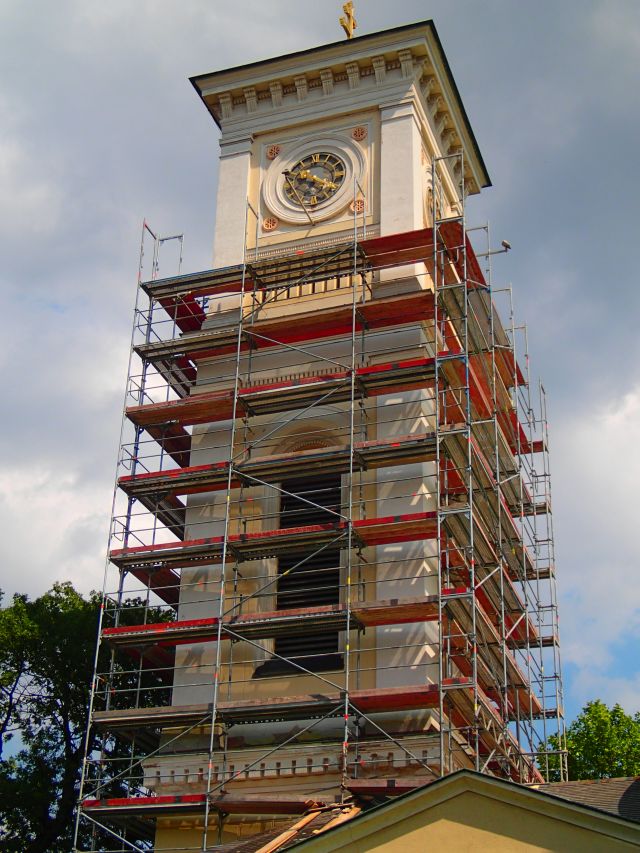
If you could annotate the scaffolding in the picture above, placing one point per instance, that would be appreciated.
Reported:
(331, 569)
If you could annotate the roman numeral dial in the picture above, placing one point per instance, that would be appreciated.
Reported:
(314, 179)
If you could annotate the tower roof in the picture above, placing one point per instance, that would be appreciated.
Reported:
(237, 93)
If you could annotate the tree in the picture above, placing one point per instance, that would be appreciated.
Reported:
(46, 667)
(602, 742)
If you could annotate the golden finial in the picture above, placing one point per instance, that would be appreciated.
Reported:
(348, 22)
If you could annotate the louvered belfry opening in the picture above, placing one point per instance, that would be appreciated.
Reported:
(307, 579)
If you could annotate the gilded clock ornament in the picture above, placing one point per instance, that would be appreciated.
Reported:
(314, 179)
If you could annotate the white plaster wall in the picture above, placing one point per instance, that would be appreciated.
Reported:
(401, 205)
(401, 185)
(231, 203)
(400, 489)
(406, 569)
(405, 654)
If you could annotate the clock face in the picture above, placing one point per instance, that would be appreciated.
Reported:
(314, 179)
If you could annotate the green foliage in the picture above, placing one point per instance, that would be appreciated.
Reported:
(46, 667)
(602, 742)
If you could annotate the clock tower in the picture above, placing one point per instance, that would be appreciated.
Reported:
(332, 511)
(307, 137)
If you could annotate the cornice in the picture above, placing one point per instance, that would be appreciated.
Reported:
(306, 100)
(269, 96)
(239, 145)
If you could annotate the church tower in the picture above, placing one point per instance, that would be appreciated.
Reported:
(333, 569)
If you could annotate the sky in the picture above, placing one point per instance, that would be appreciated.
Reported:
(100, 127)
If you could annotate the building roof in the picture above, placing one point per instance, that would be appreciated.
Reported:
(615, 796)
(610, 808)
(608, 822)
(312, 824)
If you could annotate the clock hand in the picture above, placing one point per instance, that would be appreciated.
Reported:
(306, 175)
(325, 182)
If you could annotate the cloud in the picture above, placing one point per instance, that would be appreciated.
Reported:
(597, 456)
(615, 25)
(100, 128)
(54, 528)
(30, 199)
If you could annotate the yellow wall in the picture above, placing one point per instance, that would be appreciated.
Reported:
(474, 823)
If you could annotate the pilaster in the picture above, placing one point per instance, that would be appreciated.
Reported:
(400, 165)
(401, 202)
(231, 202)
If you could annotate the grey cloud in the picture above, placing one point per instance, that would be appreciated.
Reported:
(101, 128)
